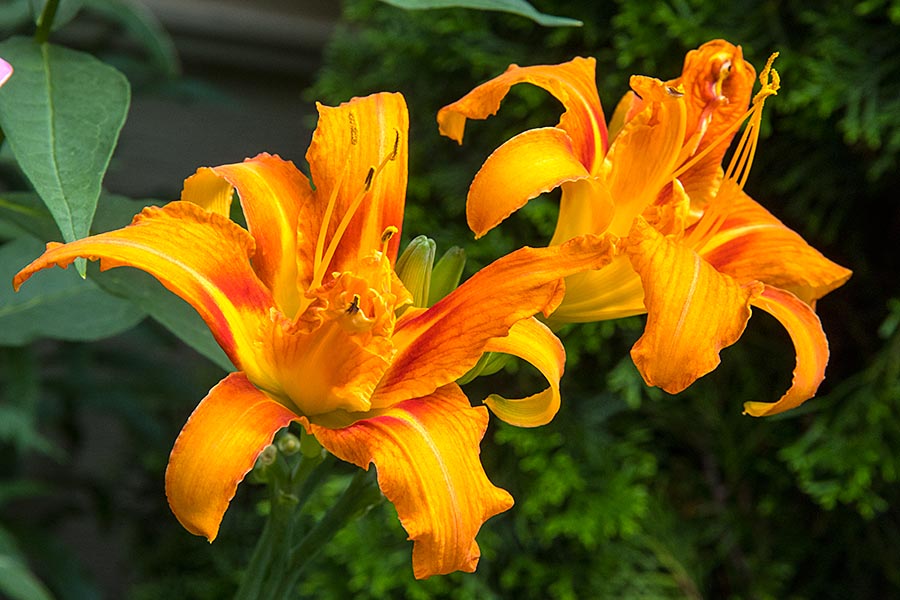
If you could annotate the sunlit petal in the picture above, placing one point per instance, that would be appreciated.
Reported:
(572, 83)
(426, 452)
(526, 166)
(360, 149)
(206, 189)
(198, 255)
(810, 344)
(717, 84)
(693, 311)
(532, 341)
(215, 450)
(437, 346)
(753, 244)
(642, 159)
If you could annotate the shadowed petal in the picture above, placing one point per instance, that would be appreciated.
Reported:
(437, 346)
(810, 344)
(693, 311)
(613, 292)
(198, 255)
(533, 341)
(753, 244)
(572, 83)
(215, 450)
(426, 452)
(271, 192)
(523, 168)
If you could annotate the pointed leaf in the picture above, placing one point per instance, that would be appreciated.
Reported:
(516, 7)
(62, 112)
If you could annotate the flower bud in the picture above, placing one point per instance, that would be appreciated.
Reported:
(288, 443)
(414, 268)
(446, 274)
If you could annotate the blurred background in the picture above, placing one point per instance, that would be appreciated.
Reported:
(630, 492)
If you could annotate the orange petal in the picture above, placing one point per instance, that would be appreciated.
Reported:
(585, 206)
(642, 158)
(426, 452)
(271, 192)
(359, 152)
(533, 341)
(613, 292)
(523, 168)
(572, 83)
(209, 191)
(753, 244)
(215, 450)
(717, 84)
(200, 256)
(693, 310)
(437, 346)
(810, 344)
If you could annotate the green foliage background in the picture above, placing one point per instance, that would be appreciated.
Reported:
(629, 493)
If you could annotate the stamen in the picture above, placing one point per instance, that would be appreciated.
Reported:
(326, 219)
(389, 232)
(739, 167)
(372, 173)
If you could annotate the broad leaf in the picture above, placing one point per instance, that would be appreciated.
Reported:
(62, 111)
(517, 7)
(56, 303)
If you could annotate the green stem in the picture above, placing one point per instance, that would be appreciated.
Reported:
(45, 21)
(269, 556)
(361, 493)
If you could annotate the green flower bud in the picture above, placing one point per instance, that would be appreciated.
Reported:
(446, 274)
(288, 443)
(414, 268)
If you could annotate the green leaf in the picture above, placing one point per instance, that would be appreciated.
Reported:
(17, 582)
(62, 111)
(26, 211)
(169, 310)
(516, 7)
(144, 27)
(56, 303)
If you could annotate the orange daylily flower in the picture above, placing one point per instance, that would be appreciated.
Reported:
(695, 252)
(305, 303)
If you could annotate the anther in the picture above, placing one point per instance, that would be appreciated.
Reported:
(369, 177)
(389, 232)
(396, 144)
(354, 131)
(674, 92)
